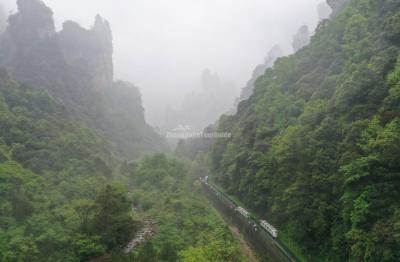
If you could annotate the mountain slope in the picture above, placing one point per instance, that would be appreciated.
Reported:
(315, 149)
(75, 66)
(53, 170)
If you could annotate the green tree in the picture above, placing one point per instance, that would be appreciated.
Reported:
(112, 220)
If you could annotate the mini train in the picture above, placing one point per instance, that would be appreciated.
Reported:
(243, 211)
(270, 229)
(264, 224)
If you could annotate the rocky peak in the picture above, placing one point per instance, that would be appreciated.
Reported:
(102, 27)
(33, 51)
(272, 56)
(34, 21)
(210, 80)
(75, 66)
(103, 33)
(301, 39)
(90, 51)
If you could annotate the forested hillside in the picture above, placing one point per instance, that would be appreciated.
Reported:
(67, 133)
(187, 227)
(54, 173)
(64, 193)
(316, 148)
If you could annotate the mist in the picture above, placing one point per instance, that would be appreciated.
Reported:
(163, 46)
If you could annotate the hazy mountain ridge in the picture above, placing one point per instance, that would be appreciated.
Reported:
(275, 53)
(204, 106)
(301, 38)
(75, 66)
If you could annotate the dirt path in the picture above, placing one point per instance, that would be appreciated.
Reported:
(246, 250)
(146, 233)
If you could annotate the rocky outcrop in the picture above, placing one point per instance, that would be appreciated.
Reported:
(89, 51)
(75, 66)
(142, 236)
(28, 47)
(35, 18)
(301, 38)
(72, 60)
(202, 107)
(34, 52)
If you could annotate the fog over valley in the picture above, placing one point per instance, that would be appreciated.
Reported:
(163, 47)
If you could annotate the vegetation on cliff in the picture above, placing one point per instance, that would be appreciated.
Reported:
(315, 150)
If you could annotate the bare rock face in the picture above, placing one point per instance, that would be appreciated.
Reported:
(301, 39)
(34, 52)
(89, 51)
(28, 49)
(36, 19)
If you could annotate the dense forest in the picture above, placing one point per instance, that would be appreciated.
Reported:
(188, 228)
(72, 187)
(65, 196)
(316, 148)
(53, 171)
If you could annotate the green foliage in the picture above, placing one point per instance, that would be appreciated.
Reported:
(187, 226)
(392, 27)
(111, 218)
(316, 148)
(52, 171)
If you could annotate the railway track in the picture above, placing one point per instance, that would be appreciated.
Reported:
(258, 233)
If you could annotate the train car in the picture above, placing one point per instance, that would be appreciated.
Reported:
(269, 228)
(243, 211)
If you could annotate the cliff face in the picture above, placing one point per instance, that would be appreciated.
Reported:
(34, 52)
(28, 47)
(36, 18)
(89, 51)
(75, 66)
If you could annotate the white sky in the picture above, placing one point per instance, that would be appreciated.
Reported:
(163, 45)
